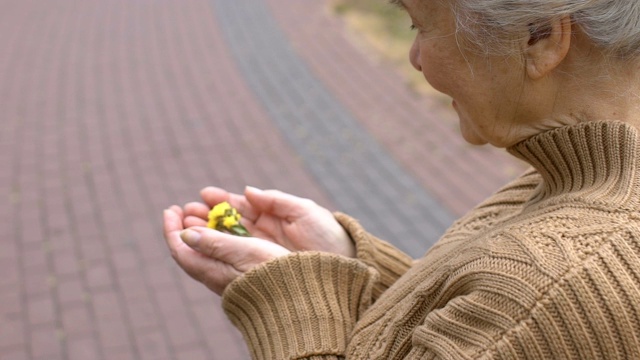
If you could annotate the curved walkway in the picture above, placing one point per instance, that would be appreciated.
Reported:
(112, 110)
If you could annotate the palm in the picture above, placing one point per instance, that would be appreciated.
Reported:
(295, 223)
(309, 232)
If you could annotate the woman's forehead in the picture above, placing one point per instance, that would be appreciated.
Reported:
(428, 10)
(421, 6)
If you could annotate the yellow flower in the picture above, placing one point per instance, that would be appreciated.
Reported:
(230, 221)
(223, 217)
(212, 223)
(220, 210)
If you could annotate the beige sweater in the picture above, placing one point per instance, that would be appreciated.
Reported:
(547, 268)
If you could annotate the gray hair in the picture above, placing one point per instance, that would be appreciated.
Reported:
(613, 25)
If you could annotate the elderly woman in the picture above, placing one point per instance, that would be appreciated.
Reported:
(547, 268)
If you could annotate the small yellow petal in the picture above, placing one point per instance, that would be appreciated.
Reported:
(217, 213)
(229, 221)
(219, 210)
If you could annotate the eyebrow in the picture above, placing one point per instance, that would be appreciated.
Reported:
(398, 3)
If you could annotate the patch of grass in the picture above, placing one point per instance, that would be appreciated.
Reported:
(386, 31)
(387, 20)
(341, 8)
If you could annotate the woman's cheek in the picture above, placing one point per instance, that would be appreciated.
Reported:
(440, 74)
(436, 78)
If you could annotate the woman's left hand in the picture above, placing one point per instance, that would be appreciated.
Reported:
(212, 257)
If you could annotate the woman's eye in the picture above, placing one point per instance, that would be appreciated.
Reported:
(412, 27)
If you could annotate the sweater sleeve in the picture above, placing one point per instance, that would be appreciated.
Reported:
(390, 262)
(300, 306)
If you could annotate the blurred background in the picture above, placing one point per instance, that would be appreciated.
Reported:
(112, 110)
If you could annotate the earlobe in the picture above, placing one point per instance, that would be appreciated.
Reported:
(547, 46)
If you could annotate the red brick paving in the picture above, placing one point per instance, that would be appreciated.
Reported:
(111, 111)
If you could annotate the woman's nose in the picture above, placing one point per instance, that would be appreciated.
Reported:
(414, 56)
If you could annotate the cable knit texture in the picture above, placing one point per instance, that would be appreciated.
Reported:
(380, 255)
(547, 268)
(300, 306)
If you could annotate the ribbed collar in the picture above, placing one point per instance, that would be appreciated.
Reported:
(596, 162)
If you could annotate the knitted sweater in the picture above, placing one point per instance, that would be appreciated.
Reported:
(547, 268)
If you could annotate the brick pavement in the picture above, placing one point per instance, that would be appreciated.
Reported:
(112, 110)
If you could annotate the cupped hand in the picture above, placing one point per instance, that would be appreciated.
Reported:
(212, 257)
(295, 223)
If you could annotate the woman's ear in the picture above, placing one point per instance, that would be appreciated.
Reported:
(547, 46)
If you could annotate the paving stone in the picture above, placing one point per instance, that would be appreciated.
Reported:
(46, 342)
(153, 345)
(77, 320)
(15, 354)
(71, 292)
(82, 348)
(41, 310)
(13, 332)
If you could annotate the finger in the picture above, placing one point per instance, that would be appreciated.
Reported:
(214, 274)
(172, 225)
(278, 203)
(178, 210)
(191, 221)
(240, 252)
(196, 209)
(172, 219)
(213, 196)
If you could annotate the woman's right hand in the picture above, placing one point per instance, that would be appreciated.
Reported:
(295, 223)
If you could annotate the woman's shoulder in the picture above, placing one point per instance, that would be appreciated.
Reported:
(503, 204)
(572, 232)
(552, 244)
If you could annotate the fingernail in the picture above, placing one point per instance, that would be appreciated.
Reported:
(252, 188)
(190, 237)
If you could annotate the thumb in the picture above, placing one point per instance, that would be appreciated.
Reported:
(278, 203)
(242, 253)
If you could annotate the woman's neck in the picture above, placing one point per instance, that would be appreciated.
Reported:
(591, 86)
